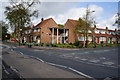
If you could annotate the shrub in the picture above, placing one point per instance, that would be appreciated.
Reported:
(36, 44)
(91, 45)
(53, 45)
(23, 43)
(77, 43)
(41, 44)
(80, 45)
(70, 43)
(48, 44)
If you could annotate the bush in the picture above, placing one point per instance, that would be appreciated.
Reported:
(77, 43)
(23, 43)
(41, 44)
(91, 45)
(70, 43)
(48, 44)
(53, 45)
(98, 45)
(80, 45)
(35, 44)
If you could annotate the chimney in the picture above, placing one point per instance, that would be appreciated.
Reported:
(94, 26)
(42, 19)
(107, 28)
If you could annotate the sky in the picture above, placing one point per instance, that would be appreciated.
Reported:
(104, 14)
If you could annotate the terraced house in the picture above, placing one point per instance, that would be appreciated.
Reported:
(94, 34)
(48, 31)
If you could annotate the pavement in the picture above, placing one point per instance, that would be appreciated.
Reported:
(0, 63)
(31, 68)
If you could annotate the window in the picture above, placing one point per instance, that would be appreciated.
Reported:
(107, 32)
(38, 29)
(103, 32)
(90, 38)
(113, 39)
(34, 38)
(102, 38)
(80, 38)
(96, 31)
(89, 31)
(66, 33)
(35, 30)
(25, 32)
(113, 33)
(29, 31)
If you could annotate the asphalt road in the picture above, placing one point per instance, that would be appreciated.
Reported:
(97, 63)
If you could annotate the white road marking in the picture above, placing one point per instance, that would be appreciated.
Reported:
(36, 58)
(107, 78)
(70, 69)
(57, 65)
(40, 59)
(21, 53)
(12, 50)
(114, 49)
(108, 63)
(118, 65)
(8, 47)
(98, 64)
(6, 72)
(0, 56)
(80, 73)
(73, 53)
(86, 52)
(83, 59)
(102, 58)
(13, 47)
(106, 50)
(77, 57)
(39, 50)
(94, 61)
(13, 69)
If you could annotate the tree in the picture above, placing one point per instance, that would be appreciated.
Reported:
(3, 30)
(19, 15)
(83, 26)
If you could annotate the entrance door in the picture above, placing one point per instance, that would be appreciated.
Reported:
(62, 40)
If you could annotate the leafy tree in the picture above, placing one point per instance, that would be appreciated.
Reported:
(60, 25)
(19, 15)
(3, 30)
(83, 26)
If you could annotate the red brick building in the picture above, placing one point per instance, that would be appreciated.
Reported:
(94, 34)
(47, 31)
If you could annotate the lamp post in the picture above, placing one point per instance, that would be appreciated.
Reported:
(86, 18)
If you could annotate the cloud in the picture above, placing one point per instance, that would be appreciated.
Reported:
(108, 23)
(76, 13)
